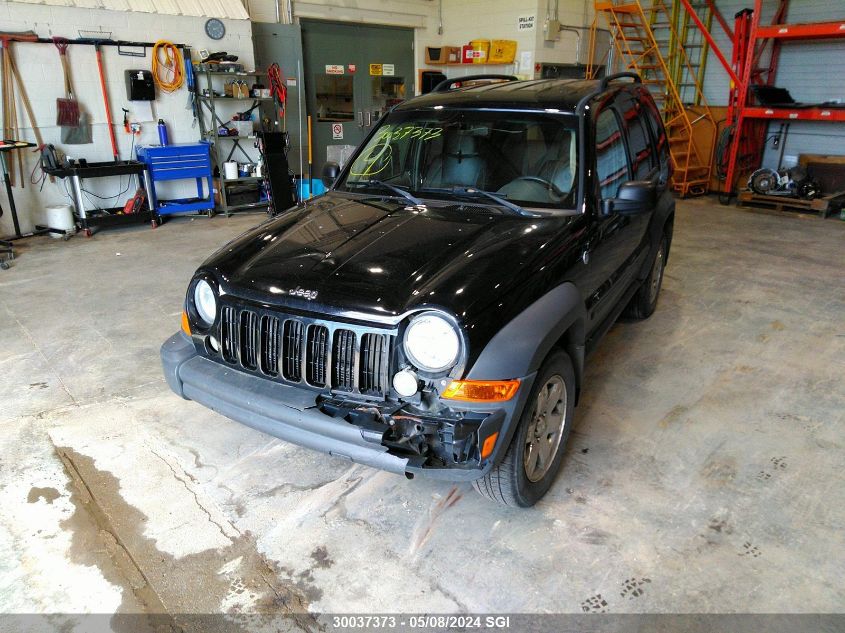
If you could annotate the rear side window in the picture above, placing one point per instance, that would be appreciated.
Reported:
(659, 133)
(611, 161)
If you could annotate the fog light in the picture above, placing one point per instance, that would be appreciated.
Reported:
(212, 342)
(405, 383)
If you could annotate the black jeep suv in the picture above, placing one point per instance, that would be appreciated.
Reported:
(431, 313)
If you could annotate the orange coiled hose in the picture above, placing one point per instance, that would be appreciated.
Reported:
(172, 65)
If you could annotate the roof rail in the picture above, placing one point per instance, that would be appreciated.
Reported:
(451, 84)
(604, 82)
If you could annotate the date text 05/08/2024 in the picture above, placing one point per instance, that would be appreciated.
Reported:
(439, 622)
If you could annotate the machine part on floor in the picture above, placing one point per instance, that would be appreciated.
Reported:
(793, 182)
(67, 107)
(172, 66)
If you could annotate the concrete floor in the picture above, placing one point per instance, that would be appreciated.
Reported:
(704, 473)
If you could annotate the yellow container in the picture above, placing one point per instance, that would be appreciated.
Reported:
(481, 51)
(502, 52)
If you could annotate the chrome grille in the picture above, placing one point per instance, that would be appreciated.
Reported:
(228, 334)
(270, 345)
(301, 350)
(318, 344)
(292, 352)
(343, 361)
(374, 360)
(248, 335)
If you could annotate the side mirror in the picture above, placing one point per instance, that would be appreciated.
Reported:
(635, 196)
(330, 173)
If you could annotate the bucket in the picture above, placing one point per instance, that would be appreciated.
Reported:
(60, 216)
(480, 51)
(230, 170)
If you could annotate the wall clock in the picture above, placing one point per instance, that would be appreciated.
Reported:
(215, 29)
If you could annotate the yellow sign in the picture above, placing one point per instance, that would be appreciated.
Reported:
(375, 69)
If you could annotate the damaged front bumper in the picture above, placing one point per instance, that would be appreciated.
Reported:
(443, 445)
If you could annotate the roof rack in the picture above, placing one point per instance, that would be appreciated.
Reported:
(453, 84)
(605, 81)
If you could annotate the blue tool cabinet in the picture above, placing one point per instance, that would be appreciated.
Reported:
(178, 162)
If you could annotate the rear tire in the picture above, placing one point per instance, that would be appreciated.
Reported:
(644, 302)
(533, 458)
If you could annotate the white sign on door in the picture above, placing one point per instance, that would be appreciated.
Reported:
(337, 131)
(388, 69)
(526, 22)
(334, 69)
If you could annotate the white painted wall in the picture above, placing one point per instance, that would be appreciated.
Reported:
(811, 71)
(41, 70)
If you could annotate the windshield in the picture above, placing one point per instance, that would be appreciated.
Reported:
(528, 159)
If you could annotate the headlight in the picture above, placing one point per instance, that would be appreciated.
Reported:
(432, 343)
(205, 302)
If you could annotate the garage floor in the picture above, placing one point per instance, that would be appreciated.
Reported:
(704, 473)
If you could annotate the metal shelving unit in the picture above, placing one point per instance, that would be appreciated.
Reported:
(745, 120)
(211, 118)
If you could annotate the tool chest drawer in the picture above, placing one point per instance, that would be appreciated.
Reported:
(172, 162)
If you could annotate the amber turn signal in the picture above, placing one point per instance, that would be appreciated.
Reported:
(481, 390)
(488, 445)
(186, 326)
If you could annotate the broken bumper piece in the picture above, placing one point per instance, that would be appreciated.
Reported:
(444, 446)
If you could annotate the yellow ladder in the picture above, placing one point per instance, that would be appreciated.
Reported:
(691, 131)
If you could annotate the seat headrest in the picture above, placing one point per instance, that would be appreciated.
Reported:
(462, 144)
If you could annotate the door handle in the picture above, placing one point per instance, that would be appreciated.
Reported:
(360, 118)
(369, 119)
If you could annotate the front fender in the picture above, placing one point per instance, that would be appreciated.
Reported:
(519, 348)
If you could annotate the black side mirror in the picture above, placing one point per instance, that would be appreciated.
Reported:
(330, 173)
(636, 196)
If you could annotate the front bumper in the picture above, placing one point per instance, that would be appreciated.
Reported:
(292, 414)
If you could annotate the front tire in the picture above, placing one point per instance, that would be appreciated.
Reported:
(533, 458)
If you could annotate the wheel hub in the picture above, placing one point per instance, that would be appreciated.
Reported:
(546, 428)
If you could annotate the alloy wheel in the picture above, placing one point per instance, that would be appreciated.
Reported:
(545, 429)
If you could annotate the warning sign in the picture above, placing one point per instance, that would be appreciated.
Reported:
(334, 69)
(375, 69)
(337, 131)
(387, 69)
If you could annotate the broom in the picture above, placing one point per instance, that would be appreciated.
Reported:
(67, 107)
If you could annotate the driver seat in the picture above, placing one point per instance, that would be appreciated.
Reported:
(556, 165)
(460, 163)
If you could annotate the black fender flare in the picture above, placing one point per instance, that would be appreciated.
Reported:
(519, 348)
(664, 214)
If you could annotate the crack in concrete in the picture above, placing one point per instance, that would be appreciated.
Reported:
(195, 496)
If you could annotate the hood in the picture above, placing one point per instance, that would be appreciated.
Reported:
(371, 258)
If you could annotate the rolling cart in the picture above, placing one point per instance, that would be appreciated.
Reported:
(7, 252)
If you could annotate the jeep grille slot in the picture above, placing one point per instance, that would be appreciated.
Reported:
(269, 360)
(292, 350)
(228, 334)
(249, 339)
(317, 350)
(373, 364)
(343, 360)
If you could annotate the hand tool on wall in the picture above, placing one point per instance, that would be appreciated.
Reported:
(309, 156)
(67, 107)
(109, 123)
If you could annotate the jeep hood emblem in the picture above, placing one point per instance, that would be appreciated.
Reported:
(302, 292)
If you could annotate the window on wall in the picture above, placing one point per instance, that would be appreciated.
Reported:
(611, 161)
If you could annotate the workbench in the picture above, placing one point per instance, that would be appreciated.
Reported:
(103, 218)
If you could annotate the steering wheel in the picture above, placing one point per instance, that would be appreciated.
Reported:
(546, 183)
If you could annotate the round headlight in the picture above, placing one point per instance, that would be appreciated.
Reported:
(432, 343)
(205, 302)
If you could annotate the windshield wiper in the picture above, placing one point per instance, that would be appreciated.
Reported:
(472, 191)
(386, 185)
